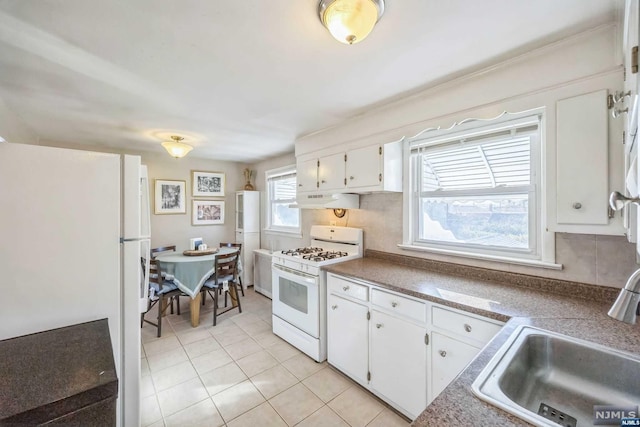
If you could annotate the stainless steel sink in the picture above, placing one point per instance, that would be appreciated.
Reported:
(550, 379)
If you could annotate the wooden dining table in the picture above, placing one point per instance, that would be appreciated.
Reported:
(191, 272)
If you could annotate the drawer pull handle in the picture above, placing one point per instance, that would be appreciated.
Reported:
(345, 288)
(378, 325)
(467, 327)
(333, 307)
(394, 304)
(443, 353)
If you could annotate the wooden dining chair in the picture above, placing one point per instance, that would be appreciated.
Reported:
(225, 267)
(161, 291)
(239, 246)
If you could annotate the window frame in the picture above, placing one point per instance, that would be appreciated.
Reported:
(483, 131)
(270, 228)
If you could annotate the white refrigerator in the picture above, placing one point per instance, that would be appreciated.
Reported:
(73, 228)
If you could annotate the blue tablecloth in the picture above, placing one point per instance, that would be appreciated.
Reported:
(190, 272)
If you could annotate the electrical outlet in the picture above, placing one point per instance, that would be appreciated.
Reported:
(332, 223)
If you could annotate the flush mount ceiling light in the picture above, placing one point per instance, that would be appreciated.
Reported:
(350, 21)
(176, 148)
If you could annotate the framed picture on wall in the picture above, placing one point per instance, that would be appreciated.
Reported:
(170, 197)
(207, 212)
(207, 184)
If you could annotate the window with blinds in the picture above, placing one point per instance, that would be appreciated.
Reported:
(475, 191)
(281, 189)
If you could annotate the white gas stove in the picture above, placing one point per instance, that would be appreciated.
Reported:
(300, 290)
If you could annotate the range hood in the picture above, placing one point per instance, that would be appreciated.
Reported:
(327, 201)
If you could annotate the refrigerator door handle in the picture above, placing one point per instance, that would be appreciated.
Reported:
(144, 295)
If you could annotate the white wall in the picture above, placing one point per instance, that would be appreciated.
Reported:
(276, 241)
(578, 65)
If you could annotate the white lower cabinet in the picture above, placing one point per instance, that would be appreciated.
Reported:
(348, 337)
(403, 349)
(398, 358)
(448, 358)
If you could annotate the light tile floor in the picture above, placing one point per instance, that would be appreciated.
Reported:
(239, 373)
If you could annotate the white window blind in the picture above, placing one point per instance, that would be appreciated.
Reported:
(490, 165)
(281, 185)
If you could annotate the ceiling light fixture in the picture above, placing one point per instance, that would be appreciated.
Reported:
(350, 21)
(176, 148)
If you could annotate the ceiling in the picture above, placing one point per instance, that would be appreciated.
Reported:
(242, 79)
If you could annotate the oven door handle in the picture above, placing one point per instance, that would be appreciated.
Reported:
(294, 275)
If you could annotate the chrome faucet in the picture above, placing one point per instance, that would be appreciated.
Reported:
(627, 304)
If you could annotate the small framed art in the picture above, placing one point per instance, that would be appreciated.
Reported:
(207, 212)
(207, 184)
(170, 197)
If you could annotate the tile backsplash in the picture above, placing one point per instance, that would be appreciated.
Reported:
(586, 258)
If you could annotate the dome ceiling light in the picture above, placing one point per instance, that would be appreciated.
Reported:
(350, 21)
(176, 148)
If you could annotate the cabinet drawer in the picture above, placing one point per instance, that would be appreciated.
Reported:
(399, 304)
(465, 326)
(340, 286)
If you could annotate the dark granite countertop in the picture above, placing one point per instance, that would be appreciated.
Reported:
(46, 375)
(569, 308)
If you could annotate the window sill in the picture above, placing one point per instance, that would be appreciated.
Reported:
(292, 234)
(486, 257)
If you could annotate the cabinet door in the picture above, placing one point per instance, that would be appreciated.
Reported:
(307, 175)
(348, 337)
(364, 167)
(448, 358)
(239, 211)
(399, 362)
(582, 153)
(331, 172)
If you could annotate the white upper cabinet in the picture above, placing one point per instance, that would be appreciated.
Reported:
(307, 175)
(582, 154)
(331, 172)
(630, 40)
(589, 165)
(375, 168)
(360, 170)
(363, 167)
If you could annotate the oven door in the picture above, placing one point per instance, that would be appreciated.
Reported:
(296, 299)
